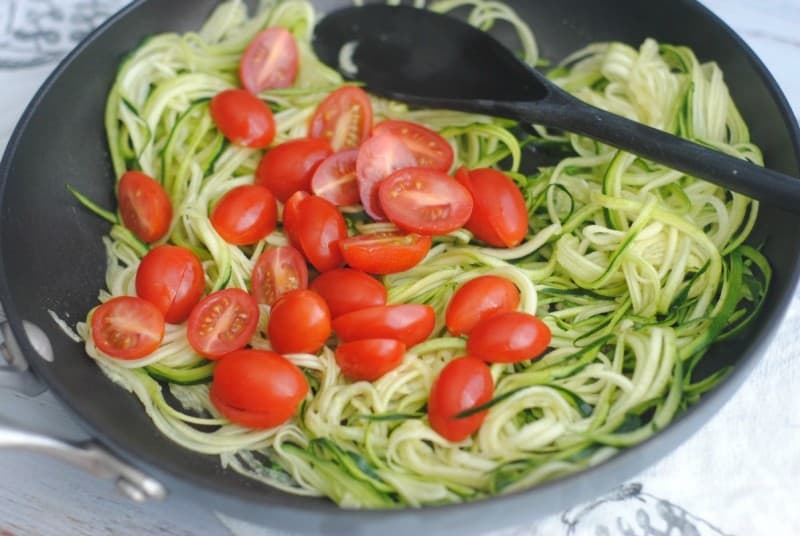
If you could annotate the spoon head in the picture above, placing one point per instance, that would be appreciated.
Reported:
(419, 56)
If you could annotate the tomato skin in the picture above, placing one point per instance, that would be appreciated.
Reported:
(346, 290)
(409, 323)
(245, 215)
(425, 201)
(291, 216)
(385, 253)
(269, 61)
(277, 271)
(509, 338)
(222, 322)
(379, 157)
(300, 322)
(257, 388)
(369, 359)
(344, 118)
(127, 327)
(318, 230)
(479, 299)
(243, 118)
(172, 279)
(288, 167)
(144, 206)
(464, 383)
(499, 217)
(335, 178)
(429, 148)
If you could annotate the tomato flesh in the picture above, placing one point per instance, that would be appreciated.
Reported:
(509, 338)
(291, 217)
(479, 299)
(144, 206)
(344, 118)
(222, 322)
(299, 322)
(429, 148)
(463, 384)
(318, 229)
(379, 157)
(243, 118)
(127, 327)
(385, 253)
(245, 215)
(409, 323)
(270, 61)
(346, 290)
(277, 271)
(172, 279)
(288, 167)
(369, 359)
(335, 178)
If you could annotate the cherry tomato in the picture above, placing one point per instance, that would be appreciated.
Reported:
(379, 157)
(276, 272)
(300, 322)
(344, 118)
(257, 388)
(270, 61)
(243, 118)
(144, 206)
(127, 327)
(335, 179)
(245, 215)
(385, 253)
(288, 167)
(479, 299)
(425, 201)
(318, 229)
(508, 338)
(172, 279)
(464, 383)
(369, 359)
(429, 148)
(222, 322)
(291, 216)
(499, 217)
(408, 323)
(346, 290)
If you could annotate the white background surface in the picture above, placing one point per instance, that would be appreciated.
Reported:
(741, 472)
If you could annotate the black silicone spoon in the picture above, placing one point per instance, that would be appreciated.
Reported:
(428, 59)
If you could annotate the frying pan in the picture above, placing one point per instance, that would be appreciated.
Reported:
(52, 260)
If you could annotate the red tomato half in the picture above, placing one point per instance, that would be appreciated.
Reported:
(409, 323)
(144, 206)
(243, 118)
(257, 389)
(335, 179)
(299, 322)
(508, 338)
(276, 272)
(172, 279)
(479, 299)
(291, 216)
(319, 228)
(369, 359)
(270, 61)
(499, 217)
(425, 201)
(464, 383)
(245, 215)
(223, 322)
(288, 167)
(385, 253)
(344, 118)
(379, 157)
(429, 148)
(346, 290)
(127, 327)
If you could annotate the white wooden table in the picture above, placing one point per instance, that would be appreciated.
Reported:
(759, 428)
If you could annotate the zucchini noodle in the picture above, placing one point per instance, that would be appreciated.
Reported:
(635, 268)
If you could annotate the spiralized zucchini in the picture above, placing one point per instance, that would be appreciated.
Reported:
(636, 269)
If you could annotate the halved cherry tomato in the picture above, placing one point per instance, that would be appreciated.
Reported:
(479, 299)
(144, 206)
(270, 61)
(318, 229)
(408, 323)
(379, 157)
(369, 359)
(344, 118)
(385, 253)
(346, 290)
(127, 327)
(499, 217)
(335, 179)
(245, 215)
(276, 272)
(425, 201)
(300, 322)
(243, 118)
(172, 279)
(429, 148)
(464, 383)
(288, 167)
(222, 322)
(257, 388)
(508, 338)
(291, 216)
